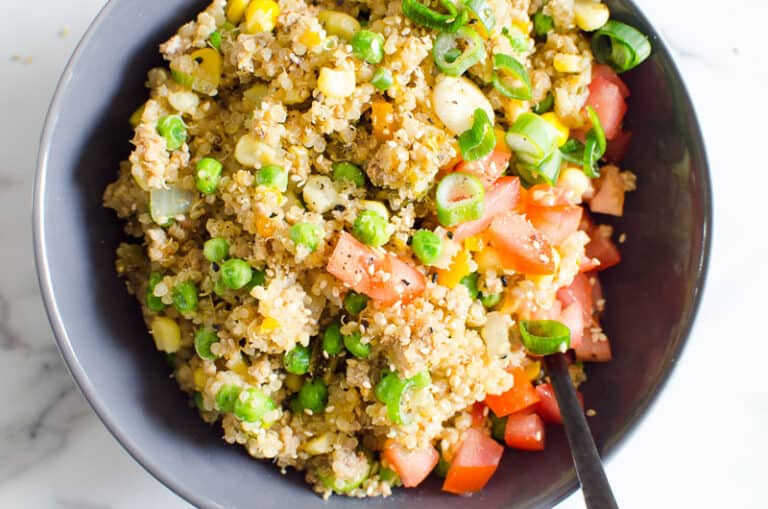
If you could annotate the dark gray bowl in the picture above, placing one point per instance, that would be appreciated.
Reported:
(652, 295)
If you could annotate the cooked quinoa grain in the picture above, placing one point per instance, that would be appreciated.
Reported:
(261, 156)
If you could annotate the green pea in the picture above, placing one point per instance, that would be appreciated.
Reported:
(371, 229)
(207, 175)
(204, 338)
(236, 273)
(470, 281)
(216, 249)
(219, 288)
(313, 395)
(368, 46)
(273, 176)
(154, 303)
(296, 361)
(215, 39)
(353, 344)
(172, 128)
(226, 397)
(185, 297)
(490, 301)
(332, 341)
(382, 78)
(253, 406)
(344, 171)
(355, 302)
(427, 246)
(542, 24)
(307, 234)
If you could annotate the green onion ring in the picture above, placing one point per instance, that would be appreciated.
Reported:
(517, 39)
(473, 53)
(621, 46)
(520, 87)
(532, 138)
(479, 140)
(590, 157)
(545, 337)
(460, 198)
(483, 12)
(449, 21)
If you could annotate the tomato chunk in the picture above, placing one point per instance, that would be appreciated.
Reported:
(602, 248)
(606, 98)
(607, 72)
(525, 432)
(555, 223)
(522, 395)
(520, 246)
(547, 407)
(488, 168)
(412, 466)
(609, 198)
(595, 347)
(473, 465)
(580, 290)
(503, 196)
(391, 279)
(478, 414)
(618, 147)
(572, 317)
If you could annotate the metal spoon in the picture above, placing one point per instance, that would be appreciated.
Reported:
(589, 467)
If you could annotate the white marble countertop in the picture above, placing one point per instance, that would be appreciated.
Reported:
(703, 445)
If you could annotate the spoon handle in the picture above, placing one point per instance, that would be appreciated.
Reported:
(589, 467)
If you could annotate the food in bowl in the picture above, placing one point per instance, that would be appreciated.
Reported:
(358, 228)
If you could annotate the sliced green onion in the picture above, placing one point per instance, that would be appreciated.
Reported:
(479, 140)
(172, 128)
(517, 39)
(154, 303)
(307, 234)
(597, 130)
(510, 77)
(368, 46)
(273, 176)
(490, 301)
(382, 78)
(215, 39)
(549, 169)
(371, 229)
(354, 302)
(591, 157)
(542, 24)
(470, 281)
(356, 347)
(388, 475)
(445, 43)
(573, 151)
(421, 380)
(204, 338)
(216, 249)
(621, 46)
(207, 175)
(253, 406)
(450, 21)
(330, 481)
(545, 337)
(390, 390)
(498, 427)
(545, 105)
(441, 470)
(483, 12)
(427, 246)
(532, 138)
(460, 198)
(344, 171)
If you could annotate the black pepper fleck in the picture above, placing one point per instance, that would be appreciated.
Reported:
(339, 208)
(450, 235)
(504, 280)
(434, 277)
(214, 266)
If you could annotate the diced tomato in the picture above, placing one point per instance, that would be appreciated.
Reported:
(595, 347)
(473, 465)
(487, 169)
(520, 246)
(525, 432)
(607, 72)
(609, 198)
(478, 414)
(618, 147)
(606, 98)
(503, 196)
(351, 262)
(597, 291)
(600, 247)
(580, 290)
(412, 466)
(522, 395)
(573, 318)
(555, 223)
(547, 407)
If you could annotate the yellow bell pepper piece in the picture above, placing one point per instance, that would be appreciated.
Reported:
(555, 122)
(532, 370)
(236, 10)
(459, 269)
(261, 16)
(488, 259)
(473, 244)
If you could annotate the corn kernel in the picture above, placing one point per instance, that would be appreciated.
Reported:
(207, 74)
(590, 15)
(236, 10)
(239, 367)
(340, 24)
(199, 378)
(166, 333)
(135, 118)
(524, 25)
(555, 122)
(261, 16)
(565, 62)
(255, 94)
(336, 83)
(532, 370)
(513, 108)
(268, 325)
(310, 38)
(459, 268)
(574, 182)
(251, 151)
(473, 244)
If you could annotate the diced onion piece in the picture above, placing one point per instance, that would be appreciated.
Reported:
(166, 204)
(455, 100)
(184, 101)
(319, 194)
(336, 83)
(251, 151)
(495, 332)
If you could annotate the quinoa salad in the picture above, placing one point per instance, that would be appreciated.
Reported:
(357, 226)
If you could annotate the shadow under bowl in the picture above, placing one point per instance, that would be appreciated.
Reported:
(652, 295)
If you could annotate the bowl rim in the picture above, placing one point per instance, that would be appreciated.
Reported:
(101, 408)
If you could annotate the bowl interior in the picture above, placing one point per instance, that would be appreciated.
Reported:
(652, 296)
